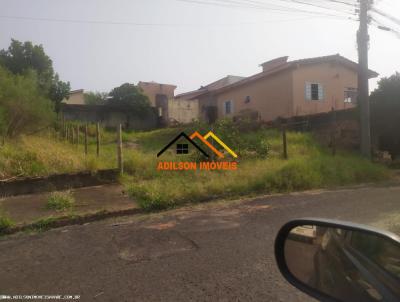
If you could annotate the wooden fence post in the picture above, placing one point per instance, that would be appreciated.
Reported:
(86, 139)
(67, 133)
(119, 150)
(333, 132)
(72, 134)
(284, 142)
(77, 134)
(97, 139)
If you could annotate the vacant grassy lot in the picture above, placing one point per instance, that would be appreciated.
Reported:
(309, 166)
(261, 167)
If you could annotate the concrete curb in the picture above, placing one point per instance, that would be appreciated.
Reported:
(62, 221)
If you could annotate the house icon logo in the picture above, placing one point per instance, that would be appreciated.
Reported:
(182, 148)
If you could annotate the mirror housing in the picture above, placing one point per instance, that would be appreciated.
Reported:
(307, 228)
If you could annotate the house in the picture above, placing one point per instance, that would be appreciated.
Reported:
(283, 89)
(158, 94)
(76, 97)
(184, 108)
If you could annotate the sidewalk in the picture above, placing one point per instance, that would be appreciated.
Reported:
(27, 209)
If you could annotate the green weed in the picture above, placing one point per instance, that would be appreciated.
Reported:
(60, 201)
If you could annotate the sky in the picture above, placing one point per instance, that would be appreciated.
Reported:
(184, 43)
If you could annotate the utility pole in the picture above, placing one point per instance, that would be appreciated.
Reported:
(363, 86)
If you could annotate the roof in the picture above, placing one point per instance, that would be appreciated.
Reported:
(282, 65)
(225, 81)
(155, 83)
(76, 91)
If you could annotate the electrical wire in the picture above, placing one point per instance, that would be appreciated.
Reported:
(79, 21)
(238, 4)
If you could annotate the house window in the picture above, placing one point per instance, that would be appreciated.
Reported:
(350, 95)
(314, 92)
(228, 107)
(182, 148)
(247, 99)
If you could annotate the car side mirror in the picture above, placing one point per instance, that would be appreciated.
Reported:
(337, 261)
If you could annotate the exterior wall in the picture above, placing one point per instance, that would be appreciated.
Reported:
(152, 89)
(108, 116)
(204, 102)
(271, 97)
(334, 79)
(75, 98)
(183, 111)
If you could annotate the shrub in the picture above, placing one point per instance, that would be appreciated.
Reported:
(23, 109)
(5, 223)
(60, 201)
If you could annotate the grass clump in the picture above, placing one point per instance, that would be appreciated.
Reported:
(60, 201)
(5, 223)
(43, 224)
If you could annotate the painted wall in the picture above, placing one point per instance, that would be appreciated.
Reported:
(183, 111)
(152, 89)
(75, 98)
(334, 79)
(109, 116)
(271, 96)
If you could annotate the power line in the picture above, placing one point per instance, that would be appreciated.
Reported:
(384, 27)
(386, 15)
(80, 21)
(235, 4)
(336, 9)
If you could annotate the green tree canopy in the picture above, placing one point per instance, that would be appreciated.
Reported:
(20, 58)
(23, 108)
(388, 91)
(130, 96)
(95, 98)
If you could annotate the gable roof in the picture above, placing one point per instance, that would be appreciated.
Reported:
(225, 81)
(282, 65)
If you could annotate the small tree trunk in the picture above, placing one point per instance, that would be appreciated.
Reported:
(97, 139)
(284, 142)
(119, 150)
(77, 134)
(333, 132)
(86, 139)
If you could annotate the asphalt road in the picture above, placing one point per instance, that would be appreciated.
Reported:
(221, 251)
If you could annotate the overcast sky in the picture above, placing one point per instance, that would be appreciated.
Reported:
(182, 43)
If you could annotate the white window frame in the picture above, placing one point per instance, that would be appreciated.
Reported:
(308, 91)
(348, 99)
(231, 107)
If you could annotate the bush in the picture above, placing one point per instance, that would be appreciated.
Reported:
(60, 201)
(5, 223)
(23, 109)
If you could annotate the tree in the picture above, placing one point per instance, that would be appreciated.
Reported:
(23, 109)
(130, 96)
(58, 91)
(95, 98)
(388, 91)
(385, 114)
(20, 58)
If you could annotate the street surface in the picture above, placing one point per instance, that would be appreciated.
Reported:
(219, 251)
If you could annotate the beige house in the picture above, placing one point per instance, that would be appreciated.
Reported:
(283, 89)
(191, 100)
(159, 94)
(76, 97)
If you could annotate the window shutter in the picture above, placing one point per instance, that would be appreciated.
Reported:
(232, 107)
(308, 91)
(320, 92)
